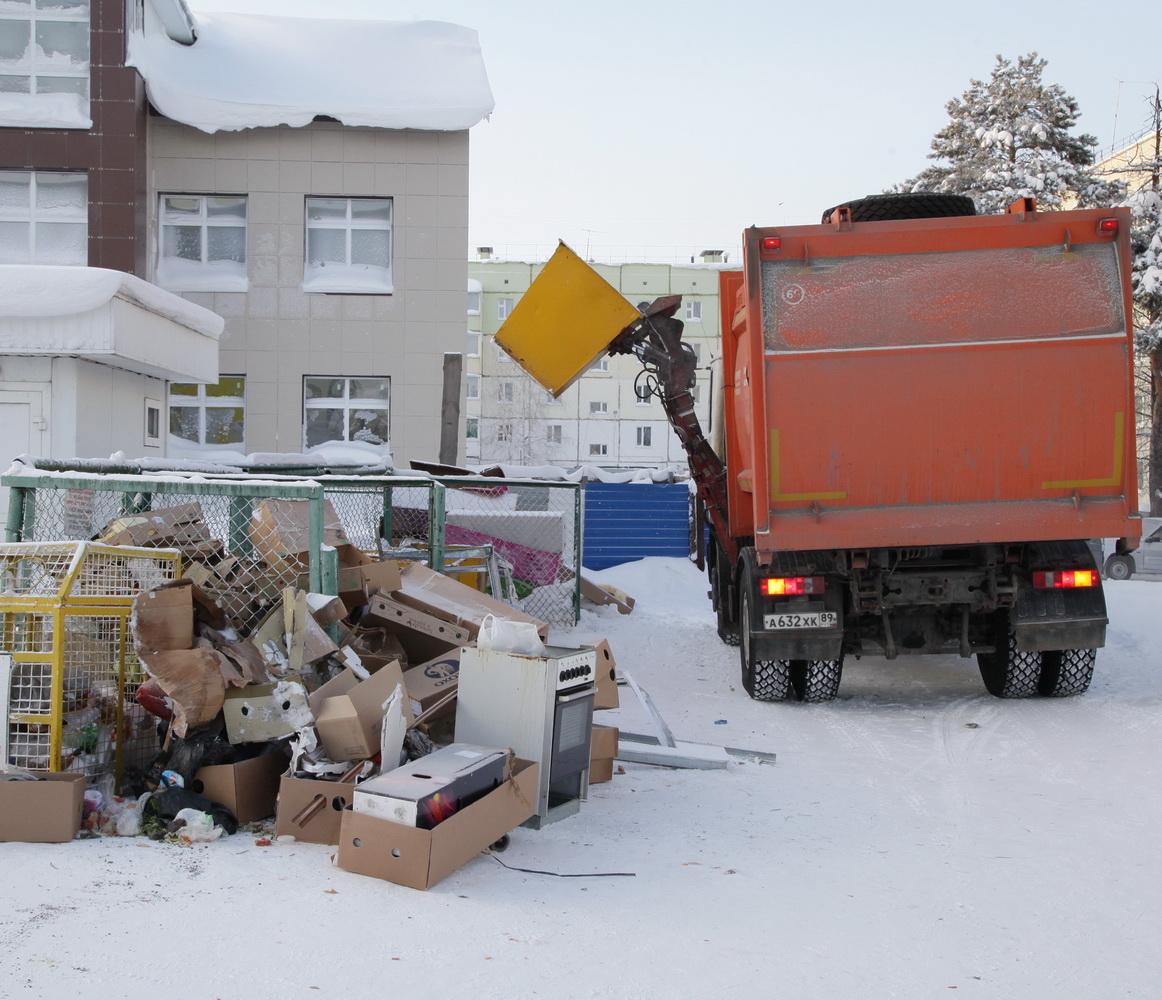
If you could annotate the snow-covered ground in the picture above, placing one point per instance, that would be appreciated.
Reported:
(916, 838)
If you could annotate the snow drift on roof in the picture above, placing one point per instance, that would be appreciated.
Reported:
(249, 71)
(30, 290)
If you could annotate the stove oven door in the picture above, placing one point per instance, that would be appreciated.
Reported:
(572, 733)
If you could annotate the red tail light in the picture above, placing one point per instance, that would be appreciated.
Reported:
(790, 586)
(772, 242)
(1065, 579)
(1108, 226)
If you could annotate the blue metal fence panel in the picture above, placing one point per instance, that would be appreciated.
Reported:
(627, 521)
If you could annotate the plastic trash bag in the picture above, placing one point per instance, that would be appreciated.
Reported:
(505, 636)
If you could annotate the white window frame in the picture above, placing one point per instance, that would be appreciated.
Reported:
(473, 344)
(326, 286)
(601, 364)
(30, 218)
(505, 392)
(346, 404)
(471, 425)
(598, 450)
(504, 308)
(204, 223)
(550, 399)
(693, 310)
(472, 386)
(597, 406)
(30, 69)
(502, 356)
(154, 406)
(474, 298)
(638, 399)
(645, 436)
(201, 402)
(504, 433)
(553, 433)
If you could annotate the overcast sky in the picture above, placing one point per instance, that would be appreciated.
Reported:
(651, 129)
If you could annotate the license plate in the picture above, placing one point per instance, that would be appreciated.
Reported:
(809, 619)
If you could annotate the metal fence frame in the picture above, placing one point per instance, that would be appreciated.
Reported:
(242, 489)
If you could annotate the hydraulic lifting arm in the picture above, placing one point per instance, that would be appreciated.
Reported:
(570, 317)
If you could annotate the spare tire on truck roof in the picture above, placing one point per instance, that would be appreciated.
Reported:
(912, 205)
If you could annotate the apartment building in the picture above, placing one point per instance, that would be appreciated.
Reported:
(608, 417)
(321, 214)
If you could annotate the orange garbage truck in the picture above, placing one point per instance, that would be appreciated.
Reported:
(926, 416)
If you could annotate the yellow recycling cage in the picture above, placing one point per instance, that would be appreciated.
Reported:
(64, 623)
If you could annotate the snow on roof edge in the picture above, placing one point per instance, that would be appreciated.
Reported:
(424, 75)
(38, 290)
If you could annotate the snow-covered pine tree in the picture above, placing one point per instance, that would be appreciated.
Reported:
(1146, 279)
(1011, 137)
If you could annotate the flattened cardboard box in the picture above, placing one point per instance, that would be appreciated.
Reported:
(280, 529)
(419, 858)
(260, 713)
(42, 812)
(349, 712)
(424, 636)
(439, 595)
(310, 809)
(249, 789)
(164, 618)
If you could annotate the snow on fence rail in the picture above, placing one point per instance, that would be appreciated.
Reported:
(520, 539)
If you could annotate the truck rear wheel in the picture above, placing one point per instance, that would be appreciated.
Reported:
(1066, 672)
(763, 680)
(816, 680)
(1010, 672)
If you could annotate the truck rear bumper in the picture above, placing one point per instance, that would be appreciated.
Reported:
(944, 524)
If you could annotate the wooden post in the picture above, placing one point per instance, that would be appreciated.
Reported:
(450, 424)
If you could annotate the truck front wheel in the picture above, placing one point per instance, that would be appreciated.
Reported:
(720, 590)
(1066, 672)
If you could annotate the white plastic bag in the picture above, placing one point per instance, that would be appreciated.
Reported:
(502, 635)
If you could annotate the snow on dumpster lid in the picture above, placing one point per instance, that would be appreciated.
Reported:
(249, 71)
(32, 290)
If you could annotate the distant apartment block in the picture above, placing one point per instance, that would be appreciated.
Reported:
(608, 417)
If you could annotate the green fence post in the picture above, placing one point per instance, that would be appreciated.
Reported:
(386, 527)
(436, 526)
(239, 533)
(14, 530)
(578, 541)
(315, 541)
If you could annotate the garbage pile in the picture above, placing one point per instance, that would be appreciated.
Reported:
(343, 717)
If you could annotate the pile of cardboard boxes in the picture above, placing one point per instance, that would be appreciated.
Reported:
(333, 715)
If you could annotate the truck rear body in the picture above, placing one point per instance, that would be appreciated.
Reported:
(930, 383)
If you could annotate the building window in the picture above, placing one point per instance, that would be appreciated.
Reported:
(693, 310)
(504, 433)
(504, 392)
(503, 309)
(207, 418)
(598, 407)
(473, 297)
(645, 436)
(598, 450)
(348, 245)
(346, 409)
(473, 386)
(550, 399)
(472, 428)
(502, 356)
(553, 433)
(202, 243)
(44, 63)
(600, 365)
(44, 217)
(697, 349)
(696, 392)
(152, 423)
(473, 348)
(642, 393)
